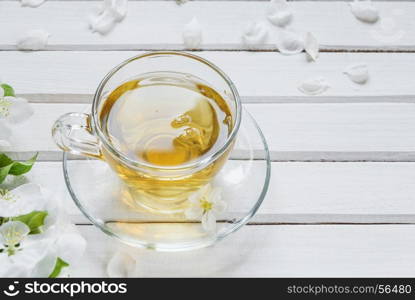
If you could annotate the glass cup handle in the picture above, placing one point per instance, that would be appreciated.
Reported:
(72, 133)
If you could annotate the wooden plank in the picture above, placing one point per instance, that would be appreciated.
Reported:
(223, 22)
(298, 192)
(259, 77)
(305, 132)
(272, 251)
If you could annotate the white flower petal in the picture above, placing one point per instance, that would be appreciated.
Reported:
(121, 264)
(195, 197)
(311, 46)
(45, 266)
(5, 131)
(4, 143)
(103, 23)
(314, 86)
(215, 195)
(70, 247)
(32, 252)
(13, 232)
(192, 34)
(358, 73)
(110, 13)
(209, 222)
(194, 212)
(279, 13)
(289, 42)
(33, 40)
(365, 11)
(254, 34)
(219, 207)
(32, 3)
(12, 269)
(119, 9)
(20, 110)
(24, 199)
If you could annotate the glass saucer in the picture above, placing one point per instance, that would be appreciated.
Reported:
(106, 202)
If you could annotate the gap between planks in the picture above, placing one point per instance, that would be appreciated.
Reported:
(304, 157)
(86, 99)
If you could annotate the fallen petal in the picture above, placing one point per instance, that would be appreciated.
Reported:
(103, 23)
(192, 34)
(290, 43)
(279, 13)
(254, 34)
(314, 86)
(32, 3)
(104, 19)
(365, 11)
(121, 264)
(119, 9)
(358, 73)
(311, 46)
(33, 40)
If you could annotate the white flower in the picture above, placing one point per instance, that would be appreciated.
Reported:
(13, 110)
(24, 255)
(21, 200)
(36, 39)
(11, 235)
(205, 205)
(192, 34)
(35, 255)
(20, 254)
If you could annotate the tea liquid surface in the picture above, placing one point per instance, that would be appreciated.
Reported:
(166, 119)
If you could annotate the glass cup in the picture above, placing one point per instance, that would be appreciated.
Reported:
(159, 189)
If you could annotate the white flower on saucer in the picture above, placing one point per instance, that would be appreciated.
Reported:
(21, 200)
(205, 205)
(20, 255)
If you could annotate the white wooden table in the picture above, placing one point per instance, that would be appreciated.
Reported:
(342, 197)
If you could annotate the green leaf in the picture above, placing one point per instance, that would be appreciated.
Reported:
(5, 160)
(10, 167)
(20, 168)
(4, 171)
(34, 220)
(8, 90)
(59, 265)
